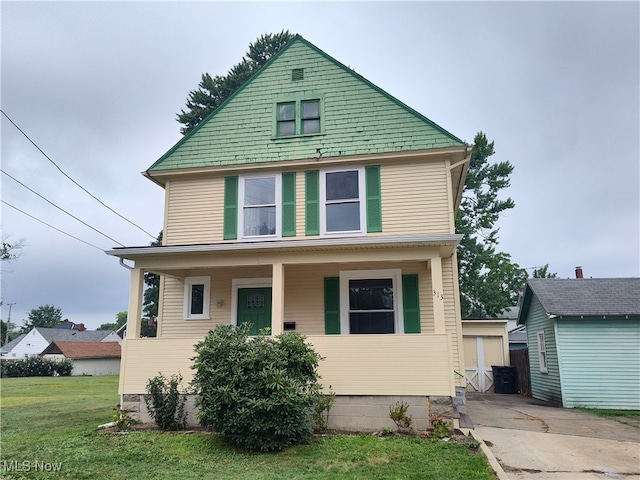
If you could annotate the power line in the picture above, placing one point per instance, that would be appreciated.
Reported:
(51, 226)
(76, 183)
(61, 209)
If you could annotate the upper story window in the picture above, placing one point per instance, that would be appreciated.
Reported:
(342, 196)
(259, 206)
(298, 117)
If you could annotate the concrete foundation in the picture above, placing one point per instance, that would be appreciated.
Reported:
(357, 413)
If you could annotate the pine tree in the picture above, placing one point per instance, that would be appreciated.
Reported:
(213, 91)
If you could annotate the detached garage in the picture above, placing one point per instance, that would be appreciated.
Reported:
(89, 358)
(584, 341)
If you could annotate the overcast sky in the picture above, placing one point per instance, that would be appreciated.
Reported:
(97, 86)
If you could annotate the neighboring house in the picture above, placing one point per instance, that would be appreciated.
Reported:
(486, 343)
(89, 358)
(311, 201)
(518, 338)
(584, 341)
(39, 338)
(5, 350)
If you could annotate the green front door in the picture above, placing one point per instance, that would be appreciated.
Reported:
(254, 307)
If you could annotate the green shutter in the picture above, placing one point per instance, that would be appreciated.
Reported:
(289, 204)
(331, 305)
(230, 208)
(411, 303)
(312, 202)
(374, 199)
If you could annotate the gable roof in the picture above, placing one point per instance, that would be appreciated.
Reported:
(241, 129)
(7, 347)
(58, 334)
(583, 296)
(84, 349)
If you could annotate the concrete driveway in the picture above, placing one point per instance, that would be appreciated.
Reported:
(533, 440)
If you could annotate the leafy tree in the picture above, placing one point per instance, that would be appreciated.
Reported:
(121, 319)
(46, 316)
(543, 272)
(3, 332)
(152, 292)
(213, 91)
(9, 249)
(489, 280)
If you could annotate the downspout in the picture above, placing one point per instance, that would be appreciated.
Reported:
(125, 265)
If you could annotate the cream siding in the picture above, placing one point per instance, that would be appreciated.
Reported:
(353, 365)
(195, 205)
(194, 211)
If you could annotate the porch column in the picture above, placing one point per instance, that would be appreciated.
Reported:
(277, 299)
(438, 294)
(135, 303)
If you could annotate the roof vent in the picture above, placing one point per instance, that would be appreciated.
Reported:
(297, 74)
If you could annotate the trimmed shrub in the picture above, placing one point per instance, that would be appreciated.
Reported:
(256, 391)
(165, 403)
(36, 367)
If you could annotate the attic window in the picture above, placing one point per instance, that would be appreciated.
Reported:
(297, 74)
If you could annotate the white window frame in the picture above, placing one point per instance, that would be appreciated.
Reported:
(394, 274)
(242, 206)
(542, 352)
(238, 283)
(361, 197)
(189, 282)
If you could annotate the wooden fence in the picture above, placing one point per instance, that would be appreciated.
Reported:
(520, 360)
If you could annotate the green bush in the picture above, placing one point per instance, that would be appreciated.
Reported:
(36, 367)
(165, 403)
(256, 391)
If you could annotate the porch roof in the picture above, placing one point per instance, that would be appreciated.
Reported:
(446, 243)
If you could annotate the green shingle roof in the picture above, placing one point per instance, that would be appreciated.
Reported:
(358, 117)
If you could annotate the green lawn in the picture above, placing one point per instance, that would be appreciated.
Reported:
(628, 417)
(49, 421)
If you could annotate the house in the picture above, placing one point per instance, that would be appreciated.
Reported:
(89, 358)
(311, 201)
(39, 338)
(584, 341)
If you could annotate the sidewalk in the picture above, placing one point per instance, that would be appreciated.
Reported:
(534, 440)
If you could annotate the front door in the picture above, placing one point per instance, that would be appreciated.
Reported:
(254, 307)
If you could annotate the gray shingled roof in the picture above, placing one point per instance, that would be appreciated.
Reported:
(587, 296)
(61, 334)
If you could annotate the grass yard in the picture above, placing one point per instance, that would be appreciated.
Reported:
(628, 417)
(49, 424)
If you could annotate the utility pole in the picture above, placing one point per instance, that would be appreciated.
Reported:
(6, 340)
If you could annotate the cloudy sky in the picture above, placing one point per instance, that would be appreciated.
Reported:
(97, 85)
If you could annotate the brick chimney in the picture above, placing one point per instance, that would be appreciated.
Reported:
(579, 272)
(81, 327)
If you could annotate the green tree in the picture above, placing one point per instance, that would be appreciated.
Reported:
(489, 280)
(213, 91)
(46, 316)
(543, 272)
(3, 332)
(121, 319)
(9, 249)
(152, 290)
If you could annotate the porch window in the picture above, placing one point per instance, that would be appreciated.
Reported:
(197, 293)
(371, 301)
(542, 352)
